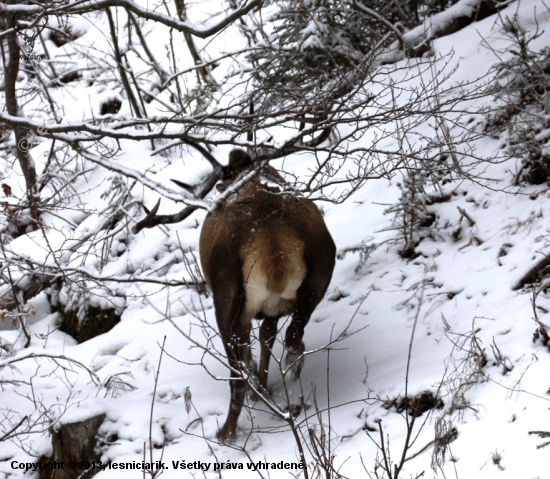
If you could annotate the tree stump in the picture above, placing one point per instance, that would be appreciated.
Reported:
(75, 442)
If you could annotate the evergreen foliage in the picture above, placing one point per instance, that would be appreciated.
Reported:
(315, 45)
(318, 49)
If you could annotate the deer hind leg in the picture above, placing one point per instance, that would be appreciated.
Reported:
(319, 260)
(268, 332)
(295, 332)
(229, 301)
(237, 347)
(309, 295)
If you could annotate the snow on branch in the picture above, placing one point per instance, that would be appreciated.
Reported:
(79, 7)
(461, 14)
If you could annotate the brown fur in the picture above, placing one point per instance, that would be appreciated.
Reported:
(265, 254)
(238, 161)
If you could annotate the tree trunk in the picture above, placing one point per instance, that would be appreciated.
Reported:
(418, 40)
(22, 140)
(459, 18)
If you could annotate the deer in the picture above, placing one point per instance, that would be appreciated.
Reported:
(265, 253)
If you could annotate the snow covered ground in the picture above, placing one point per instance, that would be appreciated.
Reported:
(452, 311)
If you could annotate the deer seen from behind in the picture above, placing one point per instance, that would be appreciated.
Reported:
(265, 253)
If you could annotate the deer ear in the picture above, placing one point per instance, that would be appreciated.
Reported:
(226, 172)
(238, 160)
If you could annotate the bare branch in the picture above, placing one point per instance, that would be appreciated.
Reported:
(79, 7)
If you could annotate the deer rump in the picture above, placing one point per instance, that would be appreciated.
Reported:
(264, 254)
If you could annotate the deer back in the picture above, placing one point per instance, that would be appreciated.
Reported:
(271, 237)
